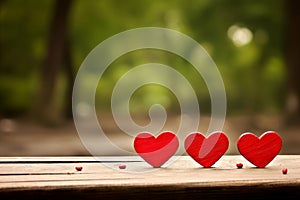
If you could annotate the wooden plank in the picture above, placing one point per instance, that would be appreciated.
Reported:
(52, 177)
(68, 159)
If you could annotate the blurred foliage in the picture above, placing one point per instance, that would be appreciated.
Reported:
(254, 73)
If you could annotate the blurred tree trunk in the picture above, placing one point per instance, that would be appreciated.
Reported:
(53, 61)
(70, 75)
(293, 61)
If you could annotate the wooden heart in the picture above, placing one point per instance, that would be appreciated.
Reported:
(156, 151)
(260, 151)
(206, 151)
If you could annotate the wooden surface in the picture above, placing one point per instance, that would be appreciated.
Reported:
(56, 178)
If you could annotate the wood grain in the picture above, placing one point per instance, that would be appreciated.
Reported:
(56, 177)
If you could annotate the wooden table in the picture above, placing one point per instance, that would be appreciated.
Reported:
(56, 178)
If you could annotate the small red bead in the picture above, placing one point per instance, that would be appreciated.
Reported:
(78, 168)
(284, 170)
(239, 165)
(122, 166)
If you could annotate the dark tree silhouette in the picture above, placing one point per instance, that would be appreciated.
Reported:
(57, 55)
(293, 61)
(70, 76)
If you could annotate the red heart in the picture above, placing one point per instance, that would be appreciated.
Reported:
(156, 151)
(259, 151)
(206, 151)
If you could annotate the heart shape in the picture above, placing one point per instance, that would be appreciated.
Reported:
(260, 151)
(206, 151)
(156, 151)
